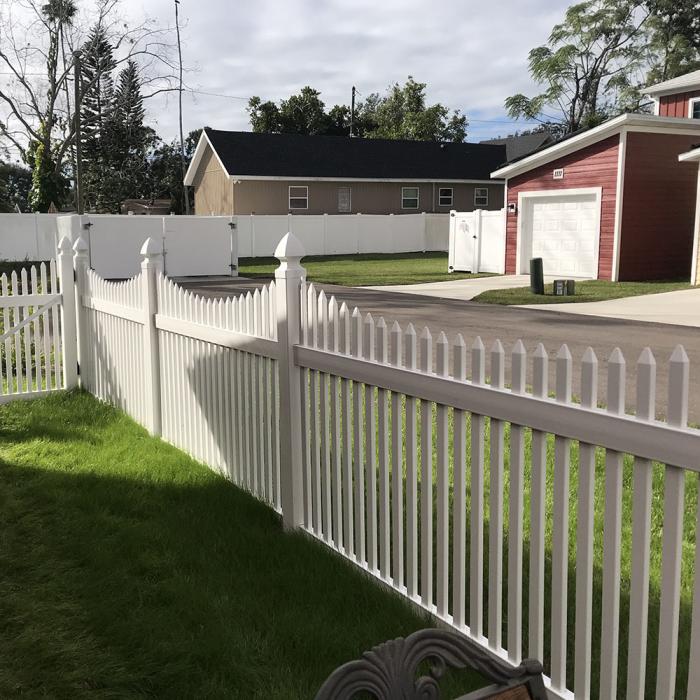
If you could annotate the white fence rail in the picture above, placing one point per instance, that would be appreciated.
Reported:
(538, 526)
(330, 234)
(477, 241)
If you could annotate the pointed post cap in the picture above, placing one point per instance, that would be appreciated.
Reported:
(289, 248)
(64, 245)
(289, 252)
(151, 247)
(80, 247)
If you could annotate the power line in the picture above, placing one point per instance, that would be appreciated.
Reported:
(238, 97)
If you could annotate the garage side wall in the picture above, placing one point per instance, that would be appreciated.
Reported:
(677, 105)
(658, 208)
(593, 166)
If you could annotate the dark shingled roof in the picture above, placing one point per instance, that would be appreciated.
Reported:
(292, 155)
(518, 147)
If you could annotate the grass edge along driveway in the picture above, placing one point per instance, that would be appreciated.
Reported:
(130, 570)
(586, 290)
(367, 270)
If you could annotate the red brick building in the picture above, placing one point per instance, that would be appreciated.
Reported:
(613, 202)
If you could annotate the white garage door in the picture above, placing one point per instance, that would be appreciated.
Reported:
(563, 231)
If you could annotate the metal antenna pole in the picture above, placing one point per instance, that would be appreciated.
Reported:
(78, 137)
(182, 138)
(352, 112)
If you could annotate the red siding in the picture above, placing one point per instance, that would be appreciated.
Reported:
(593, 166)
(658, 207)
(676, 105)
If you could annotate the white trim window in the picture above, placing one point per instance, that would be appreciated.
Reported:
(694, 108)
(481, 196)
(410, 197)
(445, 196)
(298, 197)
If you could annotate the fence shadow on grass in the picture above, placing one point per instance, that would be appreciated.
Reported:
(135, 576)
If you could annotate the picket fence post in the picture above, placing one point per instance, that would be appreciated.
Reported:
(80, 266)
(151, 266)
(288, 278)
(69, 338)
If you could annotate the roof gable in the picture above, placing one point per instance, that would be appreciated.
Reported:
(251, 155)
(575, 142)
(683, 83)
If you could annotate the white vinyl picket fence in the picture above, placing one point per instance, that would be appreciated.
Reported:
(536, 525)
(37, 329)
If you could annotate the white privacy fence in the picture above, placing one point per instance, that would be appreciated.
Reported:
(211, 245)
(28, 236)
(338, 234)
(536, 525)
(190, 245)
(477, 241)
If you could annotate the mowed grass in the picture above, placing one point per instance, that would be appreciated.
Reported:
(131, 571)
(363, 270)
(586, 290)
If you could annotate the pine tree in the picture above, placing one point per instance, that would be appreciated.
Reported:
(128, 141)
(97, 105)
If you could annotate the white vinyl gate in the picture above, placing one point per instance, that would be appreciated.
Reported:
(477, 241)
(38, 347)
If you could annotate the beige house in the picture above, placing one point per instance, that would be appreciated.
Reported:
(236, 172)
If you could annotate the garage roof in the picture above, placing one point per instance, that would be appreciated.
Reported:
(246, 155)
(571, 144)
(689, 81)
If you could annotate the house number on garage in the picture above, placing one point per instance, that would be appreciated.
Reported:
(559, 174)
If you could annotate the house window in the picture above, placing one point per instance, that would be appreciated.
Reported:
(344, 200)
(481, 196)
(298, 197)
(409, 198)
(695, 108)
(445, 198)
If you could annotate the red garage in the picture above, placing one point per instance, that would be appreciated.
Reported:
(610, 203)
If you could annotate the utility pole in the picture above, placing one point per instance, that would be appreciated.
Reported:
(352, 112)
(78, 148)
(182, 138)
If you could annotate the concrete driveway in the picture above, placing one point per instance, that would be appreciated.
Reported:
(509, 324)
(681, 308)
(464, 290)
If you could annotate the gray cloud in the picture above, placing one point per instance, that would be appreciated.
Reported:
(472, 55)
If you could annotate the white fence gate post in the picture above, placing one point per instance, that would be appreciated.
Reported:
(80, 266)
(478, 229)
(69, 338)
(151, 265)
(288, 278)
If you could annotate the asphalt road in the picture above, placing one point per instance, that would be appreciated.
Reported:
(492, 322)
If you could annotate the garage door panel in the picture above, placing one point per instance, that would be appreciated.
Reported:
(563, 230)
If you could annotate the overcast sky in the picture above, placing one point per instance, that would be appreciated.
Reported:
(471, 54)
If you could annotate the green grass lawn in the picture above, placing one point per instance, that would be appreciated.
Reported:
(586, 290)
(131, 571)
(363, 270)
